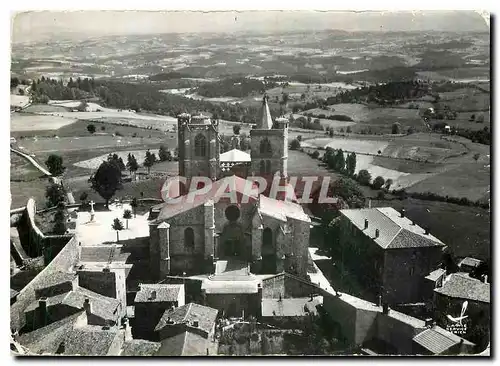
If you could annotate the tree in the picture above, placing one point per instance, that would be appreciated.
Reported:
(107, 180)
(396, 128)
(132, 164)
(476, 156)
(472, 117)
(127, 214)
(55, 164)
(315, 154)
(118, 226)
(480, 119)
(164, 154)
(55, 194)
(348, 129)
(236, 129)
(388, 184)
(91, 128)
(134, 205)
(60, 220)
(299, 137)
(350, 165)
(83, 198)
(339, 164)
(378, 182)
(295, 144)
(364, 177)
(14, 82)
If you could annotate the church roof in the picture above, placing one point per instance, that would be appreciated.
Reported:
(234, 155)
(282, 210)
(218, 189)
(265, 121)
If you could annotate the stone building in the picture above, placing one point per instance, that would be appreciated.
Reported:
(388, 253)
(230, 219)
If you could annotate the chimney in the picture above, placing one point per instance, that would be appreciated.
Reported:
(385, 308)
(311, 296)
(128, 330)
(42, 306)
(366, 223)
(379, 300)
(377, 233)
(485, 278)
(195, 323)
(403, 212)
(426, 231)
(106, 269)
(429, 322)
(170, 321)
(152, 296)
(87, 306)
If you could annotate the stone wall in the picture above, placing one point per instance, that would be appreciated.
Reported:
(277, 157)
(65, 259)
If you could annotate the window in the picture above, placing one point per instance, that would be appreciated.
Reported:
(232, 213)
(262, 167)
(268, 167)
(412, 271)
(265, 147)
(200, 146)
(189, 238)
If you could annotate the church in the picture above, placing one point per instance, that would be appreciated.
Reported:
(264, 235)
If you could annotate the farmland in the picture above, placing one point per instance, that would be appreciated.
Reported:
(21, 122)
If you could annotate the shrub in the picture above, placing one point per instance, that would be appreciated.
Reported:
(364, 177)
(295, 144)
(315, 154)
(378, 182)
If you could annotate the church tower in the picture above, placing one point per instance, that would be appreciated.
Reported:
(269, 143)
(198, 139)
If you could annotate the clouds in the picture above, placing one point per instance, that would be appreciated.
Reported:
(35, 26)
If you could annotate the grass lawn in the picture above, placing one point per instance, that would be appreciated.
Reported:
(405, 166)
(22, 170)
(24, 123)
(21, 191)
(465, 230)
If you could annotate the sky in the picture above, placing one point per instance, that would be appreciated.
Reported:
(44, 25)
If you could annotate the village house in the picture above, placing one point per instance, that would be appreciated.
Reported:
(387, 253)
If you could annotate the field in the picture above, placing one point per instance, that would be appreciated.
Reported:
(20, 192)
(22, 170)
(29, 122)
(19, 101)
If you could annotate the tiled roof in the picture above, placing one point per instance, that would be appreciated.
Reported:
(289, 282)
(461, 286)
(55, 279)
(162, 293)
(404, 318)
(102, 306)
(184, 344)
(140, 347)
(281, 210)
(13, 293)
(289, 307)
(359, 303)
(234, 155)
(218, 190)
(103, 253)
(437, 340)
(89, 341)
(394, 231)
(48, 338)
(188, 313)
(217, 286)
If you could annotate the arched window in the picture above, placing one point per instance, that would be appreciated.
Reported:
(189, 238)
(200, 146)
(265, 147)
(262, 167)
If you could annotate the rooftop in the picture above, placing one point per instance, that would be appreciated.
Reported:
(437, 340)
(140, 347)
(158, 293)
(264, 120)
(282, 210)
(436, 275)
(184, 344)
(89, 341)
(289, 307)
(461, 286)
(233, 156)
(103, 253)
(189, 313)
(394, 231)
(55, 279)
(471, 262)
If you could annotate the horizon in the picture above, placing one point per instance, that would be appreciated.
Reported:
(39, 26)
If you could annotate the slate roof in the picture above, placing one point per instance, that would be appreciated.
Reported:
(289, 307)
(218, 190)
(89, 341)
(394, 231)
(140, 347)
(48, 338)
(164, 293)
(437, 340)
(188, 313)
(264, 120)
(184, 344)
(461, 286)
(234, 156)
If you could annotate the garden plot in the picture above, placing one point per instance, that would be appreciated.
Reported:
(329, 122)
(351, 145)
(37, 122)
(94, 163)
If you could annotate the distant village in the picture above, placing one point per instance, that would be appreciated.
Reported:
(214, 277)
